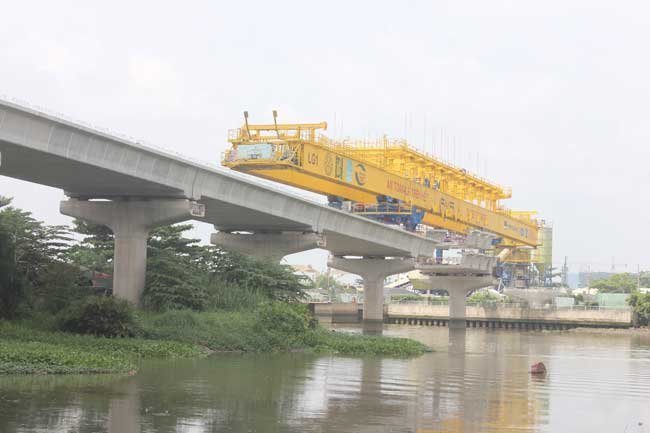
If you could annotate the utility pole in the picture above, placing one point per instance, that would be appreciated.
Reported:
(329, 289)
(565, 271)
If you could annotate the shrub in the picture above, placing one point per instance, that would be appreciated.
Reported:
(100, 316)
(284, 325)
(226, 295)
(222, 331)
(284, 318)
(177, 319)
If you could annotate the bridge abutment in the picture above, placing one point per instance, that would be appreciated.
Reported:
(131, 221)
(373, 271)
(269, 246)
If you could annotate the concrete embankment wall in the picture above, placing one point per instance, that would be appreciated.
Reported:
(338, 312)
(498, 315)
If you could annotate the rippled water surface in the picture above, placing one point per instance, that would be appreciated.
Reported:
(474, 381)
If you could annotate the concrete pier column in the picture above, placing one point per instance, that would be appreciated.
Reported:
(270, 246)
(458, 286)
(373, 271)
(373, 298)
(131, 221)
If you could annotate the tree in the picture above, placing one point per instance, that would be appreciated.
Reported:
(617, 283)
(95, 250)
(323, 281)
(640, 302)
(178, 270)
(10, 292)
(482, 297)
(181, 273)
(644, 279)
(273, 280)
(32, 259)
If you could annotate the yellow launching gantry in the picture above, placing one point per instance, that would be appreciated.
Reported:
(384, 180)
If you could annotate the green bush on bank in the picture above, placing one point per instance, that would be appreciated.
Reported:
(100, 316)
(271, 327)
(223, 331)
(26, 347)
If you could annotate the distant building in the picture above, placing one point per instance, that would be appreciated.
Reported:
(615, 300)
(317, 295)
(564, 301)
(306, 271)
(346, 278)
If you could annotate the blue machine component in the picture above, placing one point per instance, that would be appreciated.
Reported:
(414, 219)
(387, 210)
(335, 202)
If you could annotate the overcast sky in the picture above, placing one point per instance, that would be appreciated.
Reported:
(552, 96)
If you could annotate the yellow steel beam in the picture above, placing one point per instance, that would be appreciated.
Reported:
(315, 164)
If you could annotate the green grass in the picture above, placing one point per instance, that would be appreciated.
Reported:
(31, 347)
(19, 357)
(218, 331)
(25, 349)
(354, 344)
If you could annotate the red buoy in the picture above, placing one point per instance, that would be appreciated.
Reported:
(538, 368)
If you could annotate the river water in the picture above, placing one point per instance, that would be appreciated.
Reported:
(474, 381)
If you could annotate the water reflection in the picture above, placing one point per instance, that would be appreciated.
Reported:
(475, 381)
(124, 408)
(372, 327)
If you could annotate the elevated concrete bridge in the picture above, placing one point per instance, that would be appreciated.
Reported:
(132, 188)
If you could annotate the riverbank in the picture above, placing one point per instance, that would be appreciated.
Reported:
(31, 347)
(273, 328)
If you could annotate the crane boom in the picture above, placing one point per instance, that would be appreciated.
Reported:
(296, 155)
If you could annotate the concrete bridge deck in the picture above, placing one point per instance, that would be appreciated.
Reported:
(91, 164)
